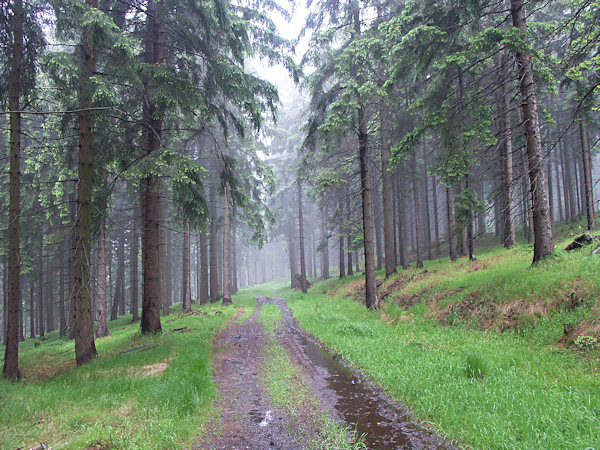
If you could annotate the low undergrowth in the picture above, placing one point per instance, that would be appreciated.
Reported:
(156, 397)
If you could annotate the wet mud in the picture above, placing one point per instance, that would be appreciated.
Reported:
(248, 419)
(351, 399)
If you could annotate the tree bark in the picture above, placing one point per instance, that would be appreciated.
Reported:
(418, 229)
(101, 328)
(214, 276)
(402, 225)
(11, 352)
(31, 309)
(509, 237)
(63, 251)
(342, 267)
(303, 284)
(386, 186)
(324, 252)
(165, 279)
(587, 175)
(118, 298)
(41, 318)
(234, 268)
(135, 251)
(226, 247)
(451, 229)
(151, 301)
(371, 298)
(204, 297)
(542, 228)
(187, 297)
(85, 348)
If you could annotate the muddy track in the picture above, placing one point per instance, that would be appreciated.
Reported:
(249, 419)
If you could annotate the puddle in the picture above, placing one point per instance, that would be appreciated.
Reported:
(384, 424)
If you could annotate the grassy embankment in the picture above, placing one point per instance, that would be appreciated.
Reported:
(152, 398)
(440, 325)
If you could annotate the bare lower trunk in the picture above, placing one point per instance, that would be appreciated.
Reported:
(101, 328)
(587, 175)
(163, 240)
(509, 237)
(151, 219)
(85, 348)
(342, 259)
(325, 252)
(187, 295)
(402, 223)
(303, 284)
(542, 228)
(204, 297)
(226, 247)
(41, 318)
(134, 266)
(387, 188)
(450, 220)
(214, 276)
(418, 229)
(11, 352)
(62, 326)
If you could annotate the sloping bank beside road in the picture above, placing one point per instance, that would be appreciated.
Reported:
(525, 393)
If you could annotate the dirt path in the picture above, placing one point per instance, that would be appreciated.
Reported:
(249, 419)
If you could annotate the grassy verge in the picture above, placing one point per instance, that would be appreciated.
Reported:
(533, 393)
(289, 392)
(153, 398)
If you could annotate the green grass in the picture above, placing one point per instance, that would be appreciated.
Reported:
(533, 395)
(154, 398)
(270, 316)
(290, 393)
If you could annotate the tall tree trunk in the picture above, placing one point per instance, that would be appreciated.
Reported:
(371, 298)
(214, 278)
(41, 318)
(509, 238)
(303, 284)
(543, 240)
(204, 297)
(426, 207)
(118, 299)
(418, 229)
(72, 254)
(151, 220)
(451, 228)
(349, 236)
(11, 352)
(226, 246)
(387, 188)
(436, 218)
(63, 251)
(402, 224)
(85, 348)
(587, 175)
(560, 199)
(234, 267)
(165, 281)
(135, 250)
(187, 296)
(342, 266)
(470, 237)
(378, 227)
(101, 328)
(31, 309)
(324, 251)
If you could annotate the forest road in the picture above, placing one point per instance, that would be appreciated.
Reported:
(249, 420)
